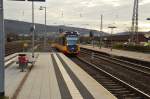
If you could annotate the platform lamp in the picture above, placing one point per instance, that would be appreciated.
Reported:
(44, 8)
(112, 29)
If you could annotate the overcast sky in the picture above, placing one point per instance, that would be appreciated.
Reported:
(81, 13)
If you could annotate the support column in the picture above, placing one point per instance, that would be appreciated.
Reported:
(2, 49)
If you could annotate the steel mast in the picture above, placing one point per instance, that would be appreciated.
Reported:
(134, 28)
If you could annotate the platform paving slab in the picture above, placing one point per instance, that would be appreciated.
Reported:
(70, 84)
(97, 90)
(13, 76)
(42, 82)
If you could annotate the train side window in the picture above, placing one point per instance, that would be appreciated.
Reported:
(59, 40)
(63, 40)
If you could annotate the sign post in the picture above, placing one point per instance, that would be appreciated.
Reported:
(112, 28)
(2, 49)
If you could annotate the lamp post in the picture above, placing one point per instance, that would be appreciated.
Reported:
(100, 34)
(33, 29)
(2, 49)
(112, 28)
(42, 8)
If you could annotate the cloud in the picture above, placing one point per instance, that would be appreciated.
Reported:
(114, 11)
(143, 2)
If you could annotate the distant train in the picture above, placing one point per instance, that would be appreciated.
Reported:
(68, 43)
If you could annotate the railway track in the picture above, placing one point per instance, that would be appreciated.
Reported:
(132, 73)
(129, 65)
(13, 47)
(116, 86)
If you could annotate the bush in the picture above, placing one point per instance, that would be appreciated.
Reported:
(131, 47)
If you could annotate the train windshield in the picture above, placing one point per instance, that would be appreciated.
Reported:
(72, 40)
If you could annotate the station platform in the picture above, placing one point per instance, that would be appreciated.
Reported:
(13, 76)
(54, 76)
(128, 54)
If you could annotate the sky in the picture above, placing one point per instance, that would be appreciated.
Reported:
(81, 13)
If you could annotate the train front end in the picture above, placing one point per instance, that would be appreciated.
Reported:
(72, 43)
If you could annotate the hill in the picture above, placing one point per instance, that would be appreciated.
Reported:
(20, 27)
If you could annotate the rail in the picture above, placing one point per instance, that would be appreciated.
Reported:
(128, 89)
(136, 67)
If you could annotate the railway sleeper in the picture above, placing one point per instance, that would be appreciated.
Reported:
(102, 77)
(114, 87)
(132, 96)
(117, 89)
(127, 97)
(123, 93)
(106, 80)
(108, 83)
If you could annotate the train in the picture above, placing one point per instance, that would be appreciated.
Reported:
(68, 42)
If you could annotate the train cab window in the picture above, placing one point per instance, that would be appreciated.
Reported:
(72, 40)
